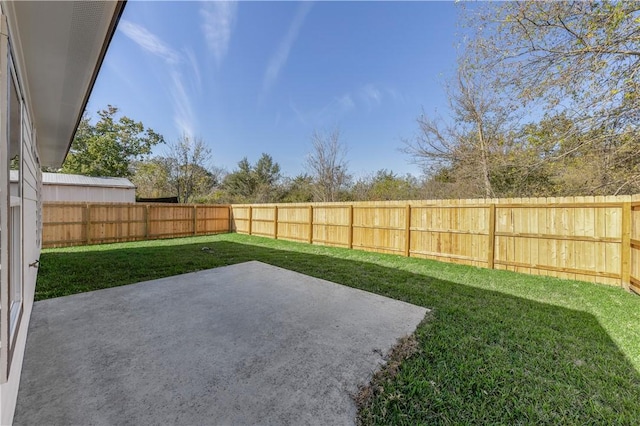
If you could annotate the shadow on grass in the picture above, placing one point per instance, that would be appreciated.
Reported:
(485, 357)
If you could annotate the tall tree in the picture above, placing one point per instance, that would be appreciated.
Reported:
(298, 189)
(109, 147)
(267, 176)
(151, 178)
(254, 183)
(580, 59)
(327, 164)
(187, 161)
(240, 184)
(472, 142)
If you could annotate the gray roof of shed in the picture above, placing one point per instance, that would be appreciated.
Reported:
(79, 180)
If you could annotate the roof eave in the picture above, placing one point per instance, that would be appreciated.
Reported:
(112, 30)
(59, 48)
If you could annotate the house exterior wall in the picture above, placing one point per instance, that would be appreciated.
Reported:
(62, 46)
(20, 223)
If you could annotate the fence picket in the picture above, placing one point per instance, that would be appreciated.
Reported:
(590, 238)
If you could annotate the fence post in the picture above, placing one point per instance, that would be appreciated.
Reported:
(147, 221)
(250, 218)
(275, 222)
(407, 231)
(625, 249)
(230, 218)
(88, 223)
(351, 226)
(310, 224)
(195, 220)
(492, 236)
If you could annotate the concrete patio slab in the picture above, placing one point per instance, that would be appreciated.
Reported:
(243, 344)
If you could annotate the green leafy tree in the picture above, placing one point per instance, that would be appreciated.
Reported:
(257, 183)
(240, 185)
(267, 177)
(110, 147)
(385, 185)
(183, 172)
(151, 178)
(298, 189)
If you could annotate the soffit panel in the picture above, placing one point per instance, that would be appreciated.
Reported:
(59, 46)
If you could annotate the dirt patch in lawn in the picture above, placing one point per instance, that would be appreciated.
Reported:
(406, 347)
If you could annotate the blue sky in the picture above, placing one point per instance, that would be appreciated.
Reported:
(253, 77)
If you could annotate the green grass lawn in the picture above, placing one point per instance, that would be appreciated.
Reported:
(499, 347)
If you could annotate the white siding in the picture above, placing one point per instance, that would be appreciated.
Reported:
(32, 208)
(25, 201)
(32, 239)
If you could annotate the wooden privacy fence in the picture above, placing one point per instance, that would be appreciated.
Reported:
(585, 238)
(72, 224)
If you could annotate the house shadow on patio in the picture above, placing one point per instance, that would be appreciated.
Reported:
(484, 356)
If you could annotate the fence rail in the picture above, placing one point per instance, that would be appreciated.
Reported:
(586, 238)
